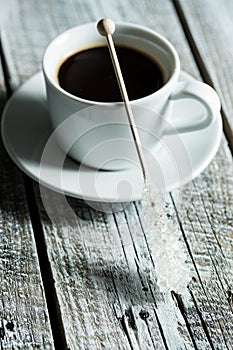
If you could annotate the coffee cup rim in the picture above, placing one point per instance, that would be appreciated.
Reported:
(167, 85)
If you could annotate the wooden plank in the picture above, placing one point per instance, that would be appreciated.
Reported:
(107, 292)
(108, 286)
(208, 233)
(24, 320)
(208, 26)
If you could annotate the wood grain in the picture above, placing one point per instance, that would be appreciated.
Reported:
(101, 263)
(206, 221)
(24, 320)
(208, 27)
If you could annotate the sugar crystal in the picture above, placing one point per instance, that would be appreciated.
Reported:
(165, 243)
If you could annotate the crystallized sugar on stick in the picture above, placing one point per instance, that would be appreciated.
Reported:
(172, 273)
(165, 244)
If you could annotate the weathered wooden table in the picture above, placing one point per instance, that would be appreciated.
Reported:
(59, 291)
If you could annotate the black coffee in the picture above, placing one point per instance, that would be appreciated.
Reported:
(89, 74)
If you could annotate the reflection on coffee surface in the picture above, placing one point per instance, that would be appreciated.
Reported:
(89, 74)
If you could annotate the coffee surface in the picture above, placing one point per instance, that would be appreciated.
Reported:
(89, 74)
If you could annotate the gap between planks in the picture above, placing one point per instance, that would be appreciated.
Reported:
(45, 268)
(202, 67)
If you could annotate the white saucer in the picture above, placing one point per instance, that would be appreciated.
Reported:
(26, 129)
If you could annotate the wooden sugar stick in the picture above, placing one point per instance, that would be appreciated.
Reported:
(106, 27)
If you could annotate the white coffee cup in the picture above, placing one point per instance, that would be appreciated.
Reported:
(97, 134)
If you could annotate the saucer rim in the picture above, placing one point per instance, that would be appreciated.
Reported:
(23, 167)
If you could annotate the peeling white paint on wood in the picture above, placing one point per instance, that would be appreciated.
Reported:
(24, 322)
